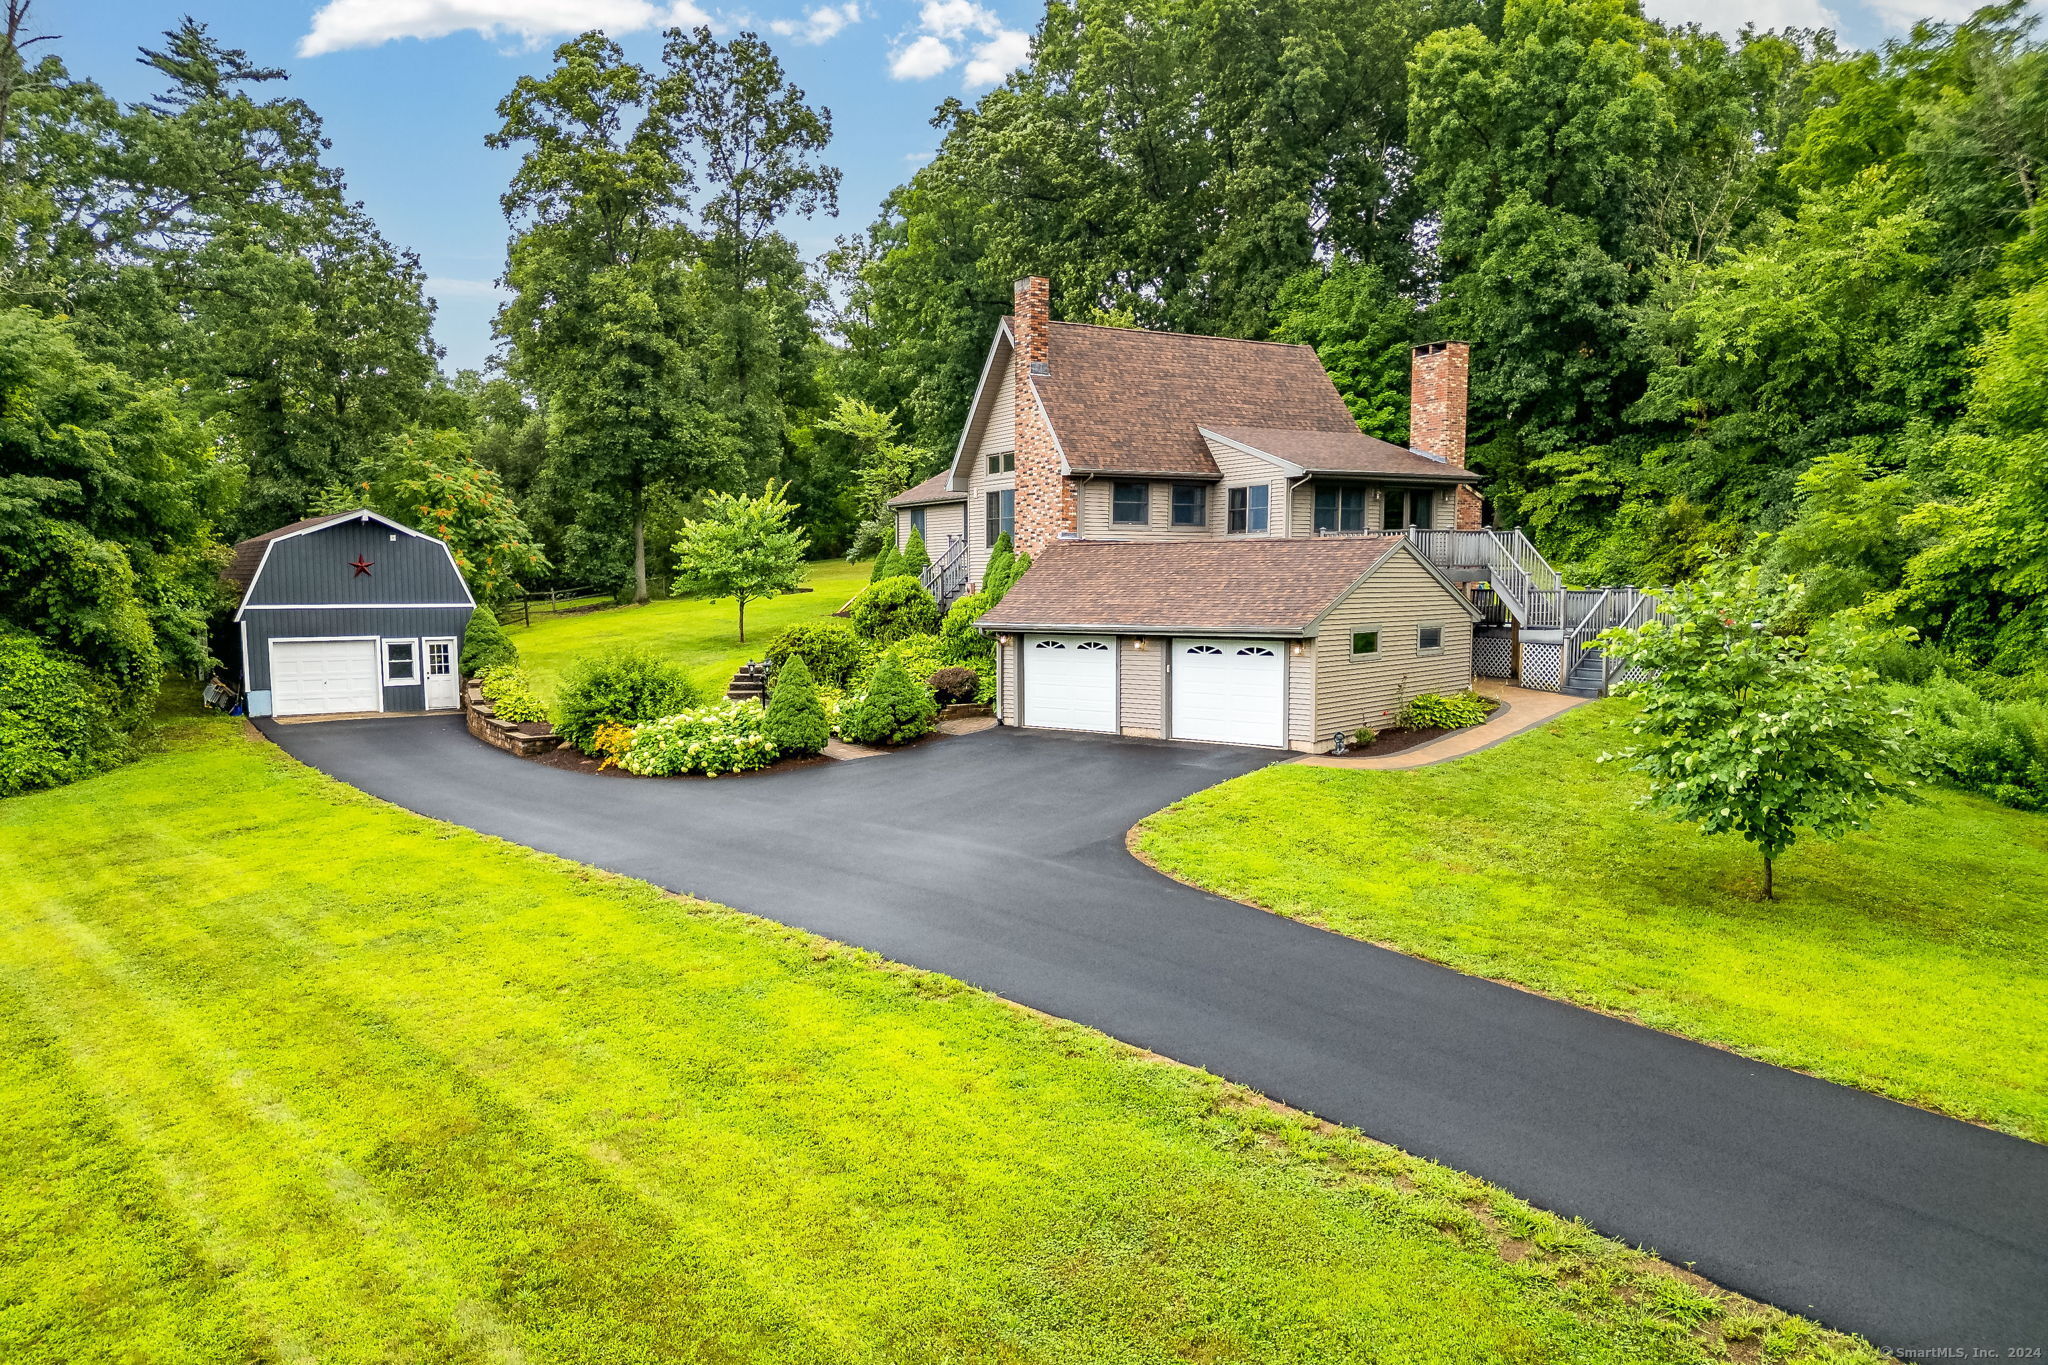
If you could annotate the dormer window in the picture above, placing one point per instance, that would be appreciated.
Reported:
(1190, 505)
(1129, 504)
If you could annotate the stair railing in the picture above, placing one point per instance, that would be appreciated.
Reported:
(946, 577)
(1578, 637)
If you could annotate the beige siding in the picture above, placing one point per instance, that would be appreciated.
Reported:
(1141, 684)
(1241, 471)
(1397, 599)
(999, 433)
(1006, 682)
(941, 519)
(1301, 698)
(1096, 500)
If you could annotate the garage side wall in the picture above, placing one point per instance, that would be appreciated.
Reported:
(1397, 600)
(1141, 686)
(1006, 683)
(261, 627)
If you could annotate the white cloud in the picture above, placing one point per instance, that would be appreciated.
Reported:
(926, 56)
(1721, 17)
(1900, 15)
(819, 25)
(342, 24)
(995, 59)
(993, 50)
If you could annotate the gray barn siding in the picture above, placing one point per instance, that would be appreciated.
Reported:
(389, 623)
(313, 569)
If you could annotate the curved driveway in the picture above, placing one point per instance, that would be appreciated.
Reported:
(999, 859)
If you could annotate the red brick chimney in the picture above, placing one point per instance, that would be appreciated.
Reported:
(1045, 498)
(1439, 379)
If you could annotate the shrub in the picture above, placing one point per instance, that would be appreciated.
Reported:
(894, 609)
(511, 695)
(920, 655)
(711, 740)
(610, 743)
(998, 568)
(915, 558)
(485, 645)
(621, 688)
(885, 560)
(1998, 748)
(1003, 576)
(795, 722)
(962, 643)
(829, 647)
(1436, 711)
(55, 725)
(955, 684)
(1364, 735)
(895, 709)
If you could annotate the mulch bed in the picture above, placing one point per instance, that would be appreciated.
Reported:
(1394, 740)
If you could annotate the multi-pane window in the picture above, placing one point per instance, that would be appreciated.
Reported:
(1340, 507)
(1246, 510)
(1190, 505)
(399, 661)
(1409, 507)
(1002, 513)
(1002, 461)
(1429, 637)
(1129, 504)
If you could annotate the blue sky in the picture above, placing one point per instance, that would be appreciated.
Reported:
(407, 89)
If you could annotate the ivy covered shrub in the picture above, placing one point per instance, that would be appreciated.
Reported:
(795, 722)
(711, 740)
(955, 684)
(625, 687)
(1438, 711)
(894, 609)
(963, 644)
(56, 726)
(485, 645)
(895, 709)
(511, 695)
(830, 647)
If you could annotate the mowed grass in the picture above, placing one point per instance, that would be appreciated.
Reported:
(291, 1074)
(1910, 959)
(700, 633)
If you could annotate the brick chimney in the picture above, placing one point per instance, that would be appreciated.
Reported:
(1439, 379)
(1045, 498)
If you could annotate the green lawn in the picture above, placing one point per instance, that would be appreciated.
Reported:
(291, 1074)
(702, 634)
(1911, 959)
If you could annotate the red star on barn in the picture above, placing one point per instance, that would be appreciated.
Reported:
(361, 567)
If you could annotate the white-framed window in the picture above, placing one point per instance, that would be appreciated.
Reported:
(1245, 510)
(1365, 642)
(1429, 638)
(917, 520)
(1001, 518)
(401, 662)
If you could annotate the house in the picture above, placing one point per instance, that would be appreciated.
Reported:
(1219, 552)
(351, 612)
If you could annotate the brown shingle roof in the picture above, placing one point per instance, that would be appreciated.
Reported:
(248, 555)
(1342, 452)
(931, 490)
(1269, 587)
(1127, 401)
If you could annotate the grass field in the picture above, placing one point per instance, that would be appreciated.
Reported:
(703, 634)
(291, 1074)
(1911, 959)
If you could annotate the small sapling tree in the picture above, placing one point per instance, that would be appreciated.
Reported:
(1745, 731)
(743, 548)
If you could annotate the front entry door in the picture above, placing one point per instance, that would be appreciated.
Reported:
(441, 680)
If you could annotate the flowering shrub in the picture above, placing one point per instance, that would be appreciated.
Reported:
(709, 740)
(610, 744)
(511, 696)
(1434, 711)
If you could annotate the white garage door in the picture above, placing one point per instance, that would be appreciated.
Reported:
(1070, 682)
(1230, 691)
(310, 677)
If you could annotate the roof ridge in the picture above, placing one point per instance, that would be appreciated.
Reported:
(1192, 336)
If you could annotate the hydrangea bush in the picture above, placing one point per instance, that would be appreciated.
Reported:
(710, 740)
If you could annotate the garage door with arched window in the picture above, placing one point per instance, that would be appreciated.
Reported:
(1070, 682)
(1230, 691)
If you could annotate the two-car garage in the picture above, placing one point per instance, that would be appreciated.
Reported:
(1225, 691)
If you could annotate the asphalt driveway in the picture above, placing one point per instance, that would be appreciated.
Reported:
(999, 859)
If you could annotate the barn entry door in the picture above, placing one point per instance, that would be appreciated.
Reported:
(442, 684)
